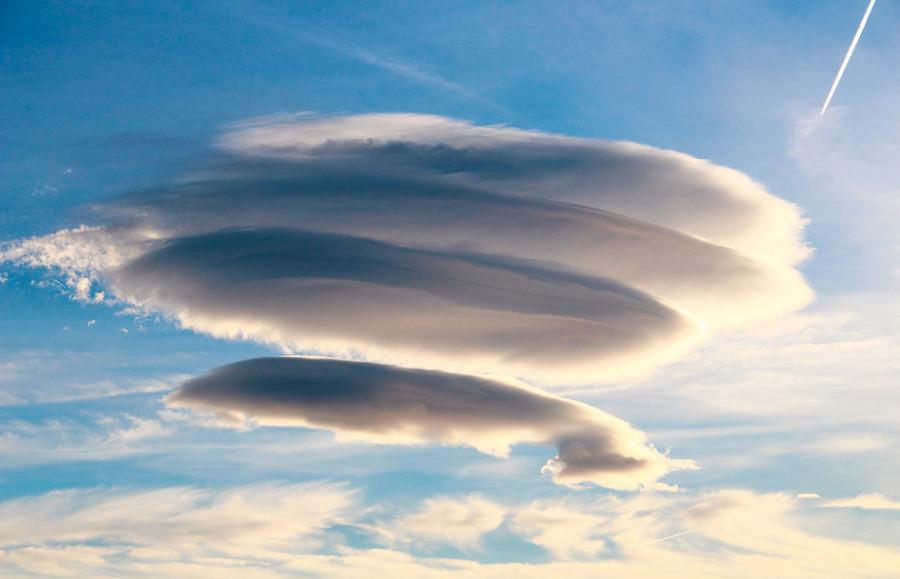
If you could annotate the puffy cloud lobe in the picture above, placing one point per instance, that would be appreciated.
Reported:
(384, 404)
(464, 310)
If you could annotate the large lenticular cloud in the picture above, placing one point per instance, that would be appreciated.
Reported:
(424, 241)
(390, 405)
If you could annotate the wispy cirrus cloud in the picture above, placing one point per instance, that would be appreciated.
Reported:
(352, 50)
(179, 531)
(460, 522)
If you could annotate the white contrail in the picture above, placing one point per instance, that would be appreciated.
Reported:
(677, 535)
(840, 73)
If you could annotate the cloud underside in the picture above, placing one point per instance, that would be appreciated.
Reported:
(384, 404)
(420, 240)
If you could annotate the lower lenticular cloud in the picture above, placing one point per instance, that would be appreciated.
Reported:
(421, 240)
(390, 405)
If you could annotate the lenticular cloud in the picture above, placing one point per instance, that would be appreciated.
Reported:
(424, 241)
(391, 405)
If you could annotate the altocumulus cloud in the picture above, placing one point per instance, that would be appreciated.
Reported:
(421, 240)
(391, 405)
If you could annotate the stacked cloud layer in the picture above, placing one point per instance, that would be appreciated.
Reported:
(425, 242)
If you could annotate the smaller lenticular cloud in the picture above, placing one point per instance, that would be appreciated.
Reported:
(390, 405)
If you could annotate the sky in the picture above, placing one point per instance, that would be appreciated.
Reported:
(469, 289)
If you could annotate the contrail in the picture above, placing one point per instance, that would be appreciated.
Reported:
(352, 51)
(677, 535)
(840, 73)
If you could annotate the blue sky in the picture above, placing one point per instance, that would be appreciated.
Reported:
(102, 99)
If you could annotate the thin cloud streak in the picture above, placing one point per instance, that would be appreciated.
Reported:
(681, 534)
(394, 66)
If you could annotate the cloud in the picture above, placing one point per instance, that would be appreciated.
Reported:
(624, 253)
(703, 237)
(39, 376)
(445, 520)
(460, 310)
(823, 379)
(278, 530)
(869, 501)
(567, 530)
(391, 405)
(90, 532)
(658, 186)
(354, 51)
(849, 156)
(139, 429)
(743, 535)
(26, 443)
